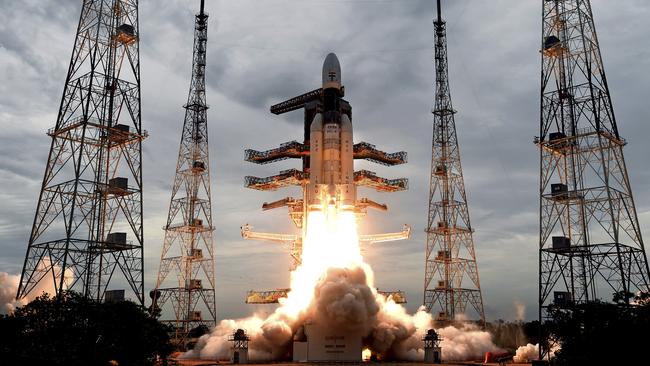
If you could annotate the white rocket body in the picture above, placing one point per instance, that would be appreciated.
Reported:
(331, 165)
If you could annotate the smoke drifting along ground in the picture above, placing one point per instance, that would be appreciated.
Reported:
(465, 343)
(335, 288)
(527, 353)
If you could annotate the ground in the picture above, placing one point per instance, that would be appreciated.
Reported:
(212, 363)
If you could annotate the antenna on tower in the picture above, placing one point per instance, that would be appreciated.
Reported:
(439, 12)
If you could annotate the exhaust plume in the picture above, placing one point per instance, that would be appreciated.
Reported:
(335, 288)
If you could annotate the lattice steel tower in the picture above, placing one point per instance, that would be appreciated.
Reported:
(88, 222)
(451, 280)
(188, 251)
(590, 244)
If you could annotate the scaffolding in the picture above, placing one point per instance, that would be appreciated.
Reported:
(297, 150)
(371, 180)
(274, 296)
(184, 295)
(286, 178)
(590, 243)
(288, 150)
(451, 279)
(364, 150)
(87, 235)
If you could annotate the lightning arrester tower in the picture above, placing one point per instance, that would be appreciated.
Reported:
(590, 244)
(87, 231)
(188, 251)
(451, 280)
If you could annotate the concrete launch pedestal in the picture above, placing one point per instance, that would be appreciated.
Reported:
(315, 343)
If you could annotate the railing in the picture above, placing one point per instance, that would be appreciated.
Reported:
(364, 150)
(288, 150)
(370, 179)
(284, 179)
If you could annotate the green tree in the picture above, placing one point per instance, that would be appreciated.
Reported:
(73, 330)
(601, 333)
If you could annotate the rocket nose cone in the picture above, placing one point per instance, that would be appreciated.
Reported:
(331, 70)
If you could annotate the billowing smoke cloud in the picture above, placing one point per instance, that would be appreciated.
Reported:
(345, 300)
(9, 287)
(342, 301)
(527, 353)
(269, 339)
(465, 343)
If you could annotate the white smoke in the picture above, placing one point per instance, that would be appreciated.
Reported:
(9, 287)
(345, 299)
(467, 342)
(527, 353)
(530, 352)
(269, 339)
(520, 311)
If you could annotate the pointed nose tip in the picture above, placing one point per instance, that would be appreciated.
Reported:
(331, 71)
(331, 59)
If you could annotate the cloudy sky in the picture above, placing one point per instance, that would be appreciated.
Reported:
(263, 51)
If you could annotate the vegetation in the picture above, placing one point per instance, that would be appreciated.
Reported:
(594, 333)
(73, 330)
(601, 333)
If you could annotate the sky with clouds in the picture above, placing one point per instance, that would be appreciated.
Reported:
(264, 51)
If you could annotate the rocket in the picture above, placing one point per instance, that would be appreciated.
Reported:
(328, 180)
(331, 161)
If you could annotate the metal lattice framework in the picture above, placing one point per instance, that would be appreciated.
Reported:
(188, 250)
(274, 296)
(296, 150)
(88, 222)
(590, 244)
(451, 280)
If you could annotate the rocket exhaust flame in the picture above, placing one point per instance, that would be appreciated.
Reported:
(331, 242)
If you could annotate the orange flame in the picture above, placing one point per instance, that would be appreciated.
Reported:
(332, 241)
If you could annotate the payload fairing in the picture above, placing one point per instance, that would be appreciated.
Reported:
(328, 152)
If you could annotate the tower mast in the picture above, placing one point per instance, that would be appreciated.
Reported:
(188, 250)
(88, 222)
(590, 244)
(451, 280)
